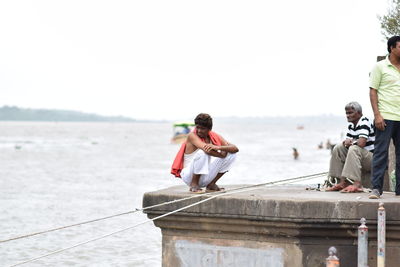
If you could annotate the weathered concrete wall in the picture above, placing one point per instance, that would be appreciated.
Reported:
(219, 252)
(274, 226)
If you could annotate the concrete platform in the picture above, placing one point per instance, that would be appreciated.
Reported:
(271, 226)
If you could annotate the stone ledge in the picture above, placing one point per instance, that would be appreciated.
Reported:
(281, 225)
(251, 228)
(287, 203)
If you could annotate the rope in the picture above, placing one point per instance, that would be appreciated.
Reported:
(306, 177)
(116, 232)
(225, 193)
(64, 227)
(98, 219)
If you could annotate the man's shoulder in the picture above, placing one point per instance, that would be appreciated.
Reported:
(191, 135)
(382, 64)
(379, 66)
(365, 119)
(366, 123)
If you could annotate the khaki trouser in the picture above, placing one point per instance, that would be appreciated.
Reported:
(349, 162)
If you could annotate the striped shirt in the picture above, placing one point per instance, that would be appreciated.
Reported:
(365, 129)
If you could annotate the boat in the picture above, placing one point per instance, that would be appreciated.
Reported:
(181, 131)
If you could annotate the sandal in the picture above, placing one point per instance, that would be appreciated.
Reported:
(196, 190)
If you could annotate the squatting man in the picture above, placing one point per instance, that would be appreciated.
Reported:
(204, 158)
(354, 154)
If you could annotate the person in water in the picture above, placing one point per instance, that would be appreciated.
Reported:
(204, 158)
(295, 153)
(354, 154)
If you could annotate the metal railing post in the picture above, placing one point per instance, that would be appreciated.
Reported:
(332, 260)
(362, 244)
(381, 235)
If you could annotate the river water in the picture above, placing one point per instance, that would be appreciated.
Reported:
(54, 174)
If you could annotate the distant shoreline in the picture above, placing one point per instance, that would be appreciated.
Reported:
(13, 113)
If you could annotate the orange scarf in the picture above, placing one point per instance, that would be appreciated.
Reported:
(177, 166)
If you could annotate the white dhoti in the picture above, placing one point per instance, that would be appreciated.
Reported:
(207, 166)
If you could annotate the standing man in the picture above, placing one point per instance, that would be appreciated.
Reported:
(354, 154)
(204, 157)
(385, 100)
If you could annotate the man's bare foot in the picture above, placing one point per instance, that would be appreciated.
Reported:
(337, 187)
(214, 188)
(352, 189)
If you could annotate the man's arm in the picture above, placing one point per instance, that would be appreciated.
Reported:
(375, 79)
(349, 139)
(197, 142)
(361, 142)
(348, 142)
(224, 147)
(379, 121)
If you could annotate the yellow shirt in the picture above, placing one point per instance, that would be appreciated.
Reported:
(385, 78)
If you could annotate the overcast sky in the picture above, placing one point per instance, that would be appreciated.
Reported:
(174, 59)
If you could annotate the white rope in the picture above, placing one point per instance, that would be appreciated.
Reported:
(98, 219)
(64, 227)
(150, 207)
(225, 193)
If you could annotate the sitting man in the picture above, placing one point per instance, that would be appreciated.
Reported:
(204, 158)
(355, 153)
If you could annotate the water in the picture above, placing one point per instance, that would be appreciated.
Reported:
(54, 174)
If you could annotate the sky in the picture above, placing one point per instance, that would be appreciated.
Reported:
(174, 59)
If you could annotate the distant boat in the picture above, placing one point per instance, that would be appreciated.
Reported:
(181, 131)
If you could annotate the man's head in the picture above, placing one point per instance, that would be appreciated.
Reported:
(204, 124)
(353, 112)
(393, 44)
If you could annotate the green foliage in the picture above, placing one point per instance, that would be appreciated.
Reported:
(390, 23)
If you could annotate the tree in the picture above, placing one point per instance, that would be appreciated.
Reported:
(390, 23)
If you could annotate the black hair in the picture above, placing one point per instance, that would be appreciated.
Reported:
(391, 43)
(205, 120)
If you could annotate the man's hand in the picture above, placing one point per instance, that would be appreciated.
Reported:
(214, 150)
(361, 142)
(209, 147)
(348, 142)
(379, 122)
